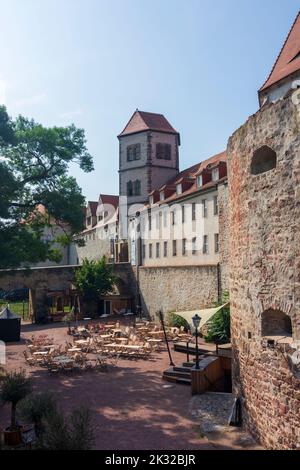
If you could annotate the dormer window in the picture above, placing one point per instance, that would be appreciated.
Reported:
(151, 200)
(179, 189)
(162, 196)
(215, 174)
(199, 181)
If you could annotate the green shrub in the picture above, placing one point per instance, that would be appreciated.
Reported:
(177, 321)
(36, 407)
(218, 328)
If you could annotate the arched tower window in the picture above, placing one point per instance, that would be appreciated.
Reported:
(129, 188)
(264, 159)
(276, 323)
(137, 188)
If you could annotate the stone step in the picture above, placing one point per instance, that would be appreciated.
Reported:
(188, 364)
(176, 373)
(183, 368)
(178, 380)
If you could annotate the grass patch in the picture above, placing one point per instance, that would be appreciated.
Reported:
(21, 309)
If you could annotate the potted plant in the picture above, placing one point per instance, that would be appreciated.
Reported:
(14, 388)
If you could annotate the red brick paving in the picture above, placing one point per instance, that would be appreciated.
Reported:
(132, 406)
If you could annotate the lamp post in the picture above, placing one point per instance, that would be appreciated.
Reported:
(196, 322)
(161, 317)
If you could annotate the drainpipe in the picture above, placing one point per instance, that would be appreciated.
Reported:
(219, 283)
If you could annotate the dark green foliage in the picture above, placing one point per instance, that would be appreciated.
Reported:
(218, 328)
(74, 433)
(14, 388)
(177, 321)
(34, 171)
(94, 278)
(36, 407)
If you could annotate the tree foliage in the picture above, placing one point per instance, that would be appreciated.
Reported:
(34, 163)
(94, 278)
(218, 328)
(14, 388)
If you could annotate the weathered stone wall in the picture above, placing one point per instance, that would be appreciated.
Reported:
(264, 273)
(223, 203)
(177, 288)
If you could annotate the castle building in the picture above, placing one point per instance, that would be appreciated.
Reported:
(148, 155)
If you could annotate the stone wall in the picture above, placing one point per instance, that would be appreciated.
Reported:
(224, 256)
(177, 288)
(264, 273)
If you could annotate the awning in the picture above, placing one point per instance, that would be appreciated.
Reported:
(205, 314)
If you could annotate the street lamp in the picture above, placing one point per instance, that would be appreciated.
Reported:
(196, 322)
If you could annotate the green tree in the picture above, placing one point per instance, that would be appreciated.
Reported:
(94, 279)
(14, 388)
(34, 167)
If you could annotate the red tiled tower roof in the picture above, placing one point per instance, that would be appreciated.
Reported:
(288, 61)
(109, 199)
(142, 121)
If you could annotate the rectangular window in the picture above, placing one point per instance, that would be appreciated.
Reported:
(149, 223)
(173, 218)
(205, 244)
(216, 206)
(184, 246)
(194, 245)
(157, 250)
(88, 221)
(179, 189)
(150, 250)
(165, 249)
(129, 188)
(204, 208)
(182, 214)
(144, 251)
(162, 196)
(199, 181)
(163, 151)
(194, 211)
(215, 174)
(137, 188)
(174, 247)
(217, 247)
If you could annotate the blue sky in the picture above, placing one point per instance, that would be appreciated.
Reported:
(93, 62)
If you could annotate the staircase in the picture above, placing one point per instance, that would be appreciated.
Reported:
(179, 374)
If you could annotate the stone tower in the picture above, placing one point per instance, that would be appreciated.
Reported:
(148, 155)
(264, 186)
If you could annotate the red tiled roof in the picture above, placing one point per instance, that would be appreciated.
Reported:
(142, 121)
(93, 206)
(288, 61)
(192, 172)
(109, 199)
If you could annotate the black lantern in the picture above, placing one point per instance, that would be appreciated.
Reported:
(196, 322)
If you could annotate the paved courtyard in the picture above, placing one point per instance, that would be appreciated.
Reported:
(133, 407)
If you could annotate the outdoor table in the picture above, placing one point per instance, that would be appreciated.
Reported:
(74, 350)
(49, 346)
(103, 336)
(122, 339)
(40, 353)
(81, 341)
(156, 332)
(154, 340)
(110, 345)
(81, 329)
(130, 346)
(143, 328)
(63, 359)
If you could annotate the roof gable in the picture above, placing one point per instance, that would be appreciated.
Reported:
(142, 121)
(288, 61)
